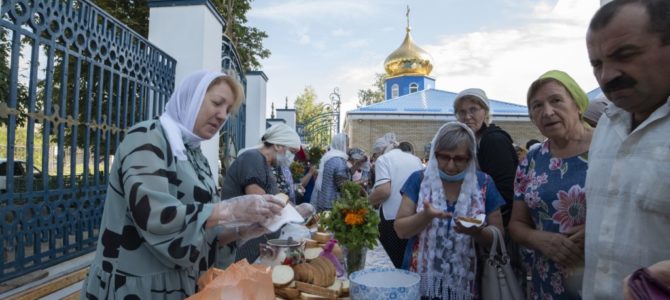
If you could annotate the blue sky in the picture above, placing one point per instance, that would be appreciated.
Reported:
(500, 46)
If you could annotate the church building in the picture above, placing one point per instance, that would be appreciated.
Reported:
(413, 109)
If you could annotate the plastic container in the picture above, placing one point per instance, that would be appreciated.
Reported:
(384, 284)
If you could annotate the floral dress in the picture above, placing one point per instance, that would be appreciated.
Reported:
(553, 189)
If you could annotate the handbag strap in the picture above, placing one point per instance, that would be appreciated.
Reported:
(498, 243)
(494, 245)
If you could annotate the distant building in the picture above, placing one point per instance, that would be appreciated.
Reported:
(414, 109)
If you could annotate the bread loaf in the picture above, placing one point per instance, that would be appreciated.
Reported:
(282, 275)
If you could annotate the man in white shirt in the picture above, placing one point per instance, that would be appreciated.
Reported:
(392, 169)
(627, 190)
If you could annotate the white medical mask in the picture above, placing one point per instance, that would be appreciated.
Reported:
(285, 159)
(452, 178)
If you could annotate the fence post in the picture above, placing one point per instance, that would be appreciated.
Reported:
(190, 32)
(256, 107)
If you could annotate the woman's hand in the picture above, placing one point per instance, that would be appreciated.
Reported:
(576, 235)
(247, 209)
(560, 248)
(250, 232)
(432, 212)
(306, 210)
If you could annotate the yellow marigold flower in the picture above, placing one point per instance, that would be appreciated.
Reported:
(353, 219)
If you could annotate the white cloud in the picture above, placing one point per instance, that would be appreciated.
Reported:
(504, 62)
(339, 32)
(304, 39)
(298, 11)
(359, 43)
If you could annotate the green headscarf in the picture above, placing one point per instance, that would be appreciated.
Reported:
(581, 99)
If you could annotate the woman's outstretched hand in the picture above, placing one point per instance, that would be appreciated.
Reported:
(433, 212)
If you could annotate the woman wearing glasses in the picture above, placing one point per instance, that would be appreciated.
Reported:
(440, 248)
(495, 152)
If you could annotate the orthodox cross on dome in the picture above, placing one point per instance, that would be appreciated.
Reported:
(407, 15)
(286, 105)
(272, 113)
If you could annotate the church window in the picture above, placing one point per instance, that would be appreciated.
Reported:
(395, 91)
(413, 88)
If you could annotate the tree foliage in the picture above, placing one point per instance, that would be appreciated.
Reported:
(373, 95)
(134, 13)
(248, 40)
(306, 106)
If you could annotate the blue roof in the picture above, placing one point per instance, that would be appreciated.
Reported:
(595, 93)
(434, 101)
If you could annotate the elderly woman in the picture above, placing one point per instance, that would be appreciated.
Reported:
(440, 248)
(332, 173)
(252, 174)
(550, 207)
(495, 152)
(359, 166)
(158, 230)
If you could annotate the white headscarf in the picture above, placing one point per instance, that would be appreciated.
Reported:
(181, 111)
(385, 143)
(457, 250)
(338, 148)
(278, 134)
(282, 134)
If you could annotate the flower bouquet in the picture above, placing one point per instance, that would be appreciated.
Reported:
(315, 154)
(297, 171)
(354, 224)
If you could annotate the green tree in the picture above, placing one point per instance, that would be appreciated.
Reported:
(5, 88)
(306, 106)
(373, 95)
(134, 13)
(248, 40)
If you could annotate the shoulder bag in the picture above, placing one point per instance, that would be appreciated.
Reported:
(498, 279)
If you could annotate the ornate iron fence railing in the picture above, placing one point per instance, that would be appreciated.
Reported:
(232, 134)
(320, 129)
(72, 79)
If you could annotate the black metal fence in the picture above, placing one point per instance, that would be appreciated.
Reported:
(72, 78)
(232, 135)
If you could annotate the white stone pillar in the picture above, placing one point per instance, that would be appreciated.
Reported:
(288, 114)
(190, 32)
(256, 107)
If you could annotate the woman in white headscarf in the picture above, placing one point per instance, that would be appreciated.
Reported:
(159, 226)
(440, 248)
(252, 173)
(333, 172)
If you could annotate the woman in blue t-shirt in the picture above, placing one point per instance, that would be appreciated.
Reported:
(440, 248)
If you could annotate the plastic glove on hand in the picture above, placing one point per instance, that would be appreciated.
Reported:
(306, 210)
(251, 232)
(248, 209)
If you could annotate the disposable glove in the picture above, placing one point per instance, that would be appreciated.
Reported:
(247, 209)
(306, 210)
(250, 232)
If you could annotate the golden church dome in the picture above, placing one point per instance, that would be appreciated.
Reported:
(408, 59)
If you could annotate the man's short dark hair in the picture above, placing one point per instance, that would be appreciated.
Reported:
(658, 11)
(406, 147)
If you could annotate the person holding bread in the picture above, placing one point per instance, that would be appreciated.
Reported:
(440, 246)
(162, 220)
(252, 174)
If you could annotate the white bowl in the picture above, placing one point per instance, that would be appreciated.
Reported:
(384, 284)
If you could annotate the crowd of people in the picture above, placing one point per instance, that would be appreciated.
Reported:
(585, 212)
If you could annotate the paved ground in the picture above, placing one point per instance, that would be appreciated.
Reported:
(377, 258)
